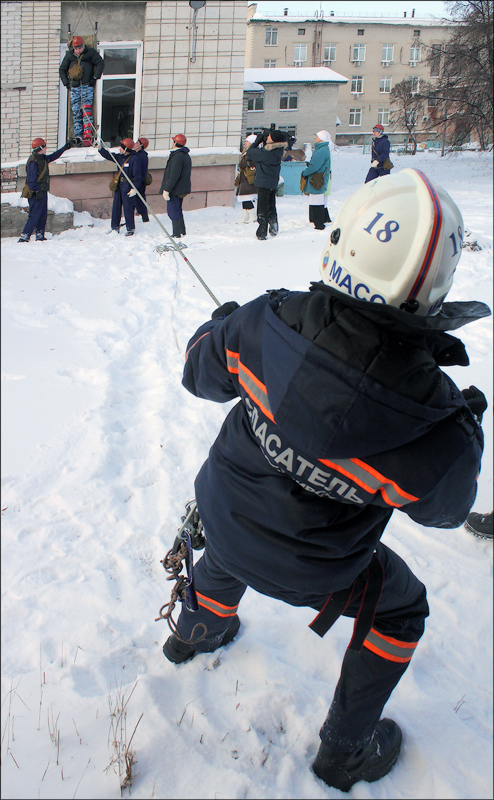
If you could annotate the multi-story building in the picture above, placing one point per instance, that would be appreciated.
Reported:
(374, 53)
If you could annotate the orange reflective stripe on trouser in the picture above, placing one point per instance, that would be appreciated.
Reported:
(389, 648)
(216, 608)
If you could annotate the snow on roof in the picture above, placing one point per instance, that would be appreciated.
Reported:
(429, 21)
(293, 75)
(251, 86)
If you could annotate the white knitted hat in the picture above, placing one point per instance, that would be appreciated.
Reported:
(324, 136)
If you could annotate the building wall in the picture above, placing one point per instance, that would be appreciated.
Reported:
(344, 33)
(317, 107)
(11, 81)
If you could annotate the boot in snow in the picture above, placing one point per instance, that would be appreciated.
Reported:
(371, 763)
(177, 229)
(178, 652)
(145, 216)
(23, 238)
(479, 524)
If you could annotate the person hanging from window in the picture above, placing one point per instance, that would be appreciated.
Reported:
(121, 187)
(379, 154)
(38, 184)
(316, 179)
(176, 183)
(141, 163)
(80, 69)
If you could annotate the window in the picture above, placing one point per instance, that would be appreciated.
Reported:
(357, 84)
(387, 53)
(291, 130)
(411, 117)
(414, 53)
(118, 92)
(300, 52)
(360, 32)
(435, 61)
(329, 52)
(385, 85)
(301, 31)
(271, 36)
(414, 84)
(383, 116)
(416, 34)
(255, 131)
(355, 116)
(255, 103)
(432, 101)
(269, 63)
(358, 52)
(288, 101)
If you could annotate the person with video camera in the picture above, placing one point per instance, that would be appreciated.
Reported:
(268, 165)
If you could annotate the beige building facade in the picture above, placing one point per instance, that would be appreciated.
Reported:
(373, 53)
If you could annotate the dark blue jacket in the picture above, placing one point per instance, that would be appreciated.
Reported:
(344, 416)
(268, 164)
(34, 170)
(141, 168)
(130, 167)
(380, 150)
(178, 169)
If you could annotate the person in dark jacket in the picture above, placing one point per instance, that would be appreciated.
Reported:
(379, 153)
(141, 165)
(80, 69)
(345, 416)
(121, 200)
(244, 182)
(268, 165)
(38, 181)
(176, 183)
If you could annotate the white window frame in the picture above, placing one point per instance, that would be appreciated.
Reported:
(358, 52)
(357, 84)
(414, 54)
(269, 63)
(383, 116)
(330, 52)
(415, 84)
(385, 84)
(273, 34)
(302, 49)
(288, 95)
(254, 102)
(98, 94)
(357, 114)
(387, 53)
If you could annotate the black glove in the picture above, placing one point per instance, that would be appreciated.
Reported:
(476, 401)
(39, 195)
(224, 310)
(260, 138)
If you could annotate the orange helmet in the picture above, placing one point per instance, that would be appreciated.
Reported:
(77, 41)
(127, 144)
(39, 142)
(143, 141)
(179, 139)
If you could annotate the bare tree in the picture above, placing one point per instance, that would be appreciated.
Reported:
(463, 71)
(405, 95)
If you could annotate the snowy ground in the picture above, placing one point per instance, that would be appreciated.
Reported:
(100, 447)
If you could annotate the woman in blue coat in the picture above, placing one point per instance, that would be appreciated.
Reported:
(317, 175)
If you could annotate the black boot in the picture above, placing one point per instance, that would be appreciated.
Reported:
(182, 226)
(145, 216)
(40, 236)
(371, 763)
(178, 652)
(273, 227)
(262, 231)
(177, 229)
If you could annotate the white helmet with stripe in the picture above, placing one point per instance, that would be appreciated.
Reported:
(397, 240)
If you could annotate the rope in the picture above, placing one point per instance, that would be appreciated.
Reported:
(174, 244)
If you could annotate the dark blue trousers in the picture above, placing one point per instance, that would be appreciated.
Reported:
(139, 206)
(38, 211)
(121, 200)
(367, 676)
(376, 172)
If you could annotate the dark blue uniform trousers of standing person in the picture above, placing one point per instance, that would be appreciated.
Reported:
(38, 212)
(384, 651)
(174, 211)
(121, 199)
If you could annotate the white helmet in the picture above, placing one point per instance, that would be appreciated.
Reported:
(396, 240)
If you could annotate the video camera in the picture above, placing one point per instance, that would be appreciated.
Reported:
(267, 131)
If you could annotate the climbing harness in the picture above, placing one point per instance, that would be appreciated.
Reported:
(190, 537)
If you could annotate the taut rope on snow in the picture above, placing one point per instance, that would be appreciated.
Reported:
(175, 246)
